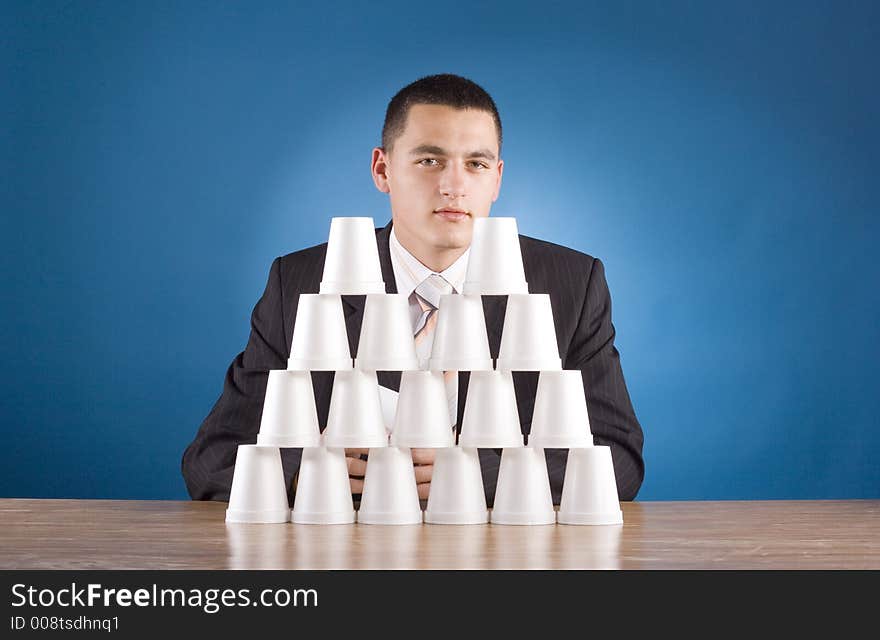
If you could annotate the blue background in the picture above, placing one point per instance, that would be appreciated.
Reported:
(721, 159)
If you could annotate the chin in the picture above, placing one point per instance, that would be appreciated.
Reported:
(456, 239)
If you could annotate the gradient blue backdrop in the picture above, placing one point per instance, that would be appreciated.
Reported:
(721, 159)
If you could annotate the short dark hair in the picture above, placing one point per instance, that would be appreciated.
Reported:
(442, 89)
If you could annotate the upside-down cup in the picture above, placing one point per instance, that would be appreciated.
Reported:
(528, 339)
(457, 495)
(461, 342)
(491, 417)
(323, 490)
(319, 342)
(290, 418)
(589, 489)
(495, 265)
(522, 495)
(390, 494)
(355, 416)
(386, 342)
(258, 494)
(351, 266)
(422, 419)
(560, 420)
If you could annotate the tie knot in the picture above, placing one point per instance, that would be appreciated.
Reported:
(431, 288)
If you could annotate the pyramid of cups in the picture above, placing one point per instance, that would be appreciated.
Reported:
(421, 418)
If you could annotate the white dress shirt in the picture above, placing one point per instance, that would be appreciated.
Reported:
(409, 273)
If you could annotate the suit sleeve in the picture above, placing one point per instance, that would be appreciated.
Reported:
(209, 461)
(612, 418)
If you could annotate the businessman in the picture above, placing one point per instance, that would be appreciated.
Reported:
(440, 164)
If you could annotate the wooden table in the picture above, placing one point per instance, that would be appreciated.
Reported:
(117, 534)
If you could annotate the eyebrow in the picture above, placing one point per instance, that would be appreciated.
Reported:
(439, 151)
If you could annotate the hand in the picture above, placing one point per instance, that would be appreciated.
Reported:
(357, 468)
(423, 465)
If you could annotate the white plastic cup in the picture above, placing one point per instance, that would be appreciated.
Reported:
(323, 490)
(491, 417)
(528, 339)
(258, 492)
(390, 495)
(522, 495)
(320, 341)
(422, 419)
(560, 420)
(355, 417)
(290, 418)
(589, 489)
(352, 263)
(461, 342)
(457, 495)
(495, 265)
(386, 342)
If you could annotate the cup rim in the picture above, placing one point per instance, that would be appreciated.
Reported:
(423, 443)
(593, 517)
(319, 517)
(460, 364)
(352, 287)
(356, 441)
(560, 442)
(259, 516)
(390, 517)
(319, 364)
(529, 364)
(298, 441)
(456, 518)
(523, 518)
(387, 364)
(478, 287)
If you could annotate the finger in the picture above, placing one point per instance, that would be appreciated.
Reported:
(423, 456)
(357, 486)
(356, 467)
(424, 490)
(423, 473)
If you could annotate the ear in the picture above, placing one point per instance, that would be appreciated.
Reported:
(379, 169)
(498, 183)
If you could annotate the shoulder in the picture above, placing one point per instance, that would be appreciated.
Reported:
(301, 269)
(542, 258)
(304, 256)
(309, 257)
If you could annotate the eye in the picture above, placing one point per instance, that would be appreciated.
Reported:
(476, 164)
(429, 162)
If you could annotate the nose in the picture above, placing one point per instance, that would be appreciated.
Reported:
(453, 181)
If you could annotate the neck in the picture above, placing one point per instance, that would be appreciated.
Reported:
(439, 260)
(436, 259)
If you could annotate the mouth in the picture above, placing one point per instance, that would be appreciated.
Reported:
(452, 214)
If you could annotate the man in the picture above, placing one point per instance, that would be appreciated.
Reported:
(440, 164)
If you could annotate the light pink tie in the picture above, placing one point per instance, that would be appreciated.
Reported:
(426, 293)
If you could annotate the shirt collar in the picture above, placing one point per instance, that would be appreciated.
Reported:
(410, 273)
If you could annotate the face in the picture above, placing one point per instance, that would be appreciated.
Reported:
(442, 172)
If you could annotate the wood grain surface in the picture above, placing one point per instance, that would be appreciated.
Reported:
(119, 534)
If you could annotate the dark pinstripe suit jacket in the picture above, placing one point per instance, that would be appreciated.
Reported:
(582, 313)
